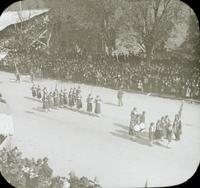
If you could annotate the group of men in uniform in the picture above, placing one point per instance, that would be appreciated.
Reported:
(163, 129)
(73, 99)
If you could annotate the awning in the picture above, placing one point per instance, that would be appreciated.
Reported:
(14, 17)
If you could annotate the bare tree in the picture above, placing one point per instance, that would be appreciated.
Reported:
(150, 23)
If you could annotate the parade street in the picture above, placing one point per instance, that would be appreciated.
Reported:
(100, 146)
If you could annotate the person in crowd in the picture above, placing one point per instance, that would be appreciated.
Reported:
(1, 98)
(32, 75)
(17, 76)
(140, 86)
(46, 170)
(120, 94)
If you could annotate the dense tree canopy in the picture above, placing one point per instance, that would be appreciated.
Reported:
(145, 27)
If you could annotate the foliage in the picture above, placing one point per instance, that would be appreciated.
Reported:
(26, 173)
(190, 49)
(149, 23)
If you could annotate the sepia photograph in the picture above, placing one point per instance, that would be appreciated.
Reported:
(99, 93)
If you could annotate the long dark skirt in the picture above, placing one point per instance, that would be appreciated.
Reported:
(51, 103)
(131, 131)
(89, 107)
(39, 95)
(169, 135)
(71, 102)
(151, 137)
(45, 104)
(61, 100)
(79, 104)
(177, 134)
(98, 108)
(55, 101)
(158, 134)
(34, 93)
(65, 100)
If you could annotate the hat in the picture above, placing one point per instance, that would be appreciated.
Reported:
(45, 159)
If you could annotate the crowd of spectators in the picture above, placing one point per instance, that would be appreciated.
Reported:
(25, 173)
(132, 74)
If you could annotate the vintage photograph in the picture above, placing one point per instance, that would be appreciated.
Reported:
(99, 93)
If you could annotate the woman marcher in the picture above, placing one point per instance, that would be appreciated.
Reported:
(39, 92)
(65, 95)
(34, 91)
(79, 101)
(158, 132)
(142, 117)
(89, 103)
(70, 96)
(97, 106)
(61, 98)
(44, 91)
(74, 97)
(177, 127)
(55, 98)
(151, 134)
(169, 132)
(45, 102)
(50, 100)
(163, 125)
(131, 131)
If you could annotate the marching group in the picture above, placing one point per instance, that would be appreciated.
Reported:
(60, 99)
(163, 129)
